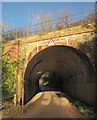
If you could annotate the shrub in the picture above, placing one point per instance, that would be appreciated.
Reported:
(8, 77)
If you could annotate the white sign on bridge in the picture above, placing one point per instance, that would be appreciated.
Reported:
(51, 43)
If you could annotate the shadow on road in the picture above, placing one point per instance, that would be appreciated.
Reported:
(49, 104)
(48, 88)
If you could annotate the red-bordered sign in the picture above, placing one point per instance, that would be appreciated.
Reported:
(51, 43)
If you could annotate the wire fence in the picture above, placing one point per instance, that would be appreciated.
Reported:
(69, 21)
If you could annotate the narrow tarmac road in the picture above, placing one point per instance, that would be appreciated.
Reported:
(49, 104)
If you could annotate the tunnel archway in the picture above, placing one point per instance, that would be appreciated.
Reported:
(73, 66)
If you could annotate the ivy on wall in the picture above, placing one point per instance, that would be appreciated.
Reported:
(8, 76)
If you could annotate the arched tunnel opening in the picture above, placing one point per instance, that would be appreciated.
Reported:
(64, 68)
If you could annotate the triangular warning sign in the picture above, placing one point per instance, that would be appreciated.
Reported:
(51, 43)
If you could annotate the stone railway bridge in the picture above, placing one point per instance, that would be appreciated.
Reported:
(72, 58)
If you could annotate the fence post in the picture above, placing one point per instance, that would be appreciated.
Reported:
(15, 100)
(67, 40)
(37, 48)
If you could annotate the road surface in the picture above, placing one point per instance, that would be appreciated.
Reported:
(49, 104)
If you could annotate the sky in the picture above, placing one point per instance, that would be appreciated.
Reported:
(16, 14)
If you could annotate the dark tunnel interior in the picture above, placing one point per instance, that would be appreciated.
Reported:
(51, 81)
(61, 68)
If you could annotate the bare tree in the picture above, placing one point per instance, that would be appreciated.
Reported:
(90, 14)
(45, 20)
(89, 17)
(6, 31)
(64, 18)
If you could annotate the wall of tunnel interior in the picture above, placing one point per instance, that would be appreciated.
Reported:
(73, 66)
